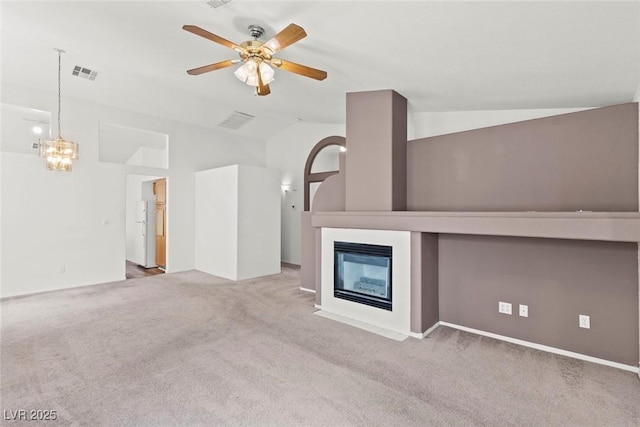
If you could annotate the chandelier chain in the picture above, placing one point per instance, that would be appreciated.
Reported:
(59, 91)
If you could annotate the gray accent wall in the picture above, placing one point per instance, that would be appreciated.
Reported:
(424, 281)
(586, 161)
(307, 253)
(579, 161)
(330, 194)
(329, 197)
(556, 279)
(376, 178)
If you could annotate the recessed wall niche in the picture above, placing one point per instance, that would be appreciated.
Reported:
(327, 159)
(23, 128)
(133, 147)
(322, 162)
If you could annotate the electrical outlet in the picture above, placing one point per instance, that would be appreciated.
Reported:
(584, 321)
(504, 307)
(62, 269)
(524, 310)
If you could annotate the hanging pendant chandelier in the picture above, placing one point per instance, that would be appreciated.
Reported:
(60, 153)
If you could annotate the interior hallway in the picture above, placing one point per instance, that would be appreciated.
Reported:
(134, 271)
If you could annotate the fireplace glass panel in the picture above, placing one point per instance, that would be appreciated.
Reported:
(363, 273)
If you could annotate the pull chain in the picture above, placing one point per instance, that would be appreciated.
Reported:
(59, 90)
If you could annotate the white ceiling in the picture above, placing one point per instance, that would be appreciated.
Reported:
(441, 55)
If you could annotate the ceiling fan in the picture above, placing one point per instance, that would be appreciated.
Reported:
(257, 56)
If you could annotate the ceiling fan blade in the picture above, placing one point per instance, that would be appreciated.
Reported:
(285, 38)
(303, 70)
(214, 38)
(213, 67)
(262, 89)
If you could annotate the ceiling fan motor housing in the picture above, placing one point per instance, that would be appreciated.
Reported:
(255, 49)
(256, 31)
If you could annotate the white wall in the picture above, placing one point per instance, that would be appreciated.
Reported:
(1, 238)
(217, 222)
(60, 229)
(440, 123)
(258, 222)
(328, 159)
(238, 222)
(288, 152)
(52, 219)
(149, 157)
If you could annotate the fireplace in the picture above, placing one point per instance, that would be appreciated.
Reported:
(384, 302)
(362, 274)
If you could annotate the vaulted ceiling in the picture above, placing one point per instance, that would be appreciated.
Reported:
(441, 55)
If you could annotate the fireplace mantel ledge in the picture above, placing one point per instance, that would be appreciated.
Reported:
(581, 225)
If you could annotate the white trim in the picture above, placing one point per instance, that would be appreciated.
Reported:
(313, 291)
(422, 335)
(544, 348)
(396, 336)
(319, 307)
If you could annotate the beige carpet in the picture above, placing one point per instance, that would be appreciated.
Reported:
(193, 349)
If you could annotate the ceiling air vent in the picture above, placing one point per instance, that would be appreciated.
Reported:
(236, 120)
(85, 73)
(217, 3)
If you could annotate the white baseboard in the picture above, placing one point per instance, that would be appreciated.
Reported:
(425, 333)
(523, 343)
(545, 348)
(313, 291)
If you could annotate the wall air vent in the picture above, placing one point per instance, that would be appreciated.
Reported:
(236, 120)
(85, 73)
(217, 3)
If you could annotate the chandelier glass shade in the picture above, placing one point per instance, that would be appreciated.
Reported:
(59, 152)
(248, 72)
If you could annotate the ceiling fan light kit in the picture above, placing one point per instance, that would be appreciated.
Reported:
(257, 56)
(248, 73)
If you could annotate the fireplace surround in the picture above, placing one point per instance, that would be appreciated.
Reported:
(364, 300)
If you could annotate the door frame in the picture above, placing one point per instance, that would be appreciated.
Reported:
(144, 177)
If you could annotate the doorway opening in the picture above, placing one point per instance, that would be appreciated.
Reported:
(146, 225)
(145, 154)
(134, 271)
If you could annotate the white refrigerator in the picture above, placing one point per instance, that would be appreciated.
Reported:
(145, 240)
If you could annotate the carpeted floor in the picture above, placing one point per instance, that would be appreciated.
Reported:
(192, 349)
